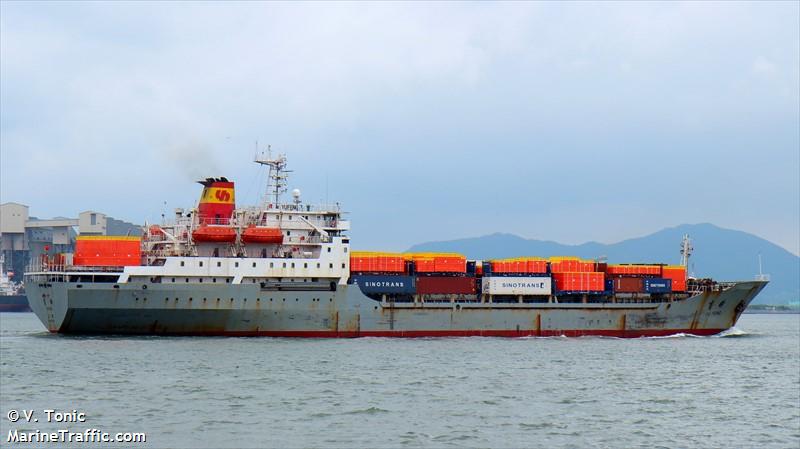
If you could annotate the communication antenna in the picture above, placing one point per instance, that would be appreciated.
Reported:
(278, 175)
(686, 250)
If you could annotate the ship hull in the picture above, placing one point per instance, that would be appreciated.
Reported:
(246, 310)
(14, 303)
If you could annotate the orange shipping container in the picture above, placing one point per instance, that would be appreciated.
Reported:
(579, 281)
(107, 251)
(678, 275)
(634, 270)
(424, 266)
(362, 262)
(572, 266)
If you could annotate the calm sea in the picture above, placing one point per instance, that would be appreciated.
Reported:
(741, 390)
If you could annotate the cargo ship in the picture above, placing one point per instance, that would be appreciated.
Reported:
(285, 269)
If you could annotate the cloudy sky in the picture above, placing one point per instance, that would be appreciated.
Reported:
(568, 122)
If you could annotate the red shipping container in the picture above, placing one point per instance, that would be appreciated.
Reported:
(628, 285)
(439, 285)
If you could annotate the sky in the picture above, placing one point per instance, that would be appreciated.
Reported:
(570, 122)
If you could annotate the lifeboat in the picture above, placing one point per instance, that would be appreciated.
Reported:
(262, 235)
(154, 232)
(222, 234)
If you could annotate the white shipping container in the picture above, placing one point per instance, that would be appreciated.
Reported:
(499, 285)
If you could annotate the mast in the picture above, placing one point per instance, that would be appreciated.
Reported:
(686, 250)
(761, 276)
(278, 175)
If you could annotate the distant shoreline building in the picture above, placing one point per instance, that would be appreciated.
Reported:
(23, 238)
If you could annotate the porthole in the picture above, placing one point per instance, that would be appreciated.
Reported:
(254, 264)
(201, 263)
(183, 263)
(305, 265)
(318, 265)
(236, 264)
(219, 264)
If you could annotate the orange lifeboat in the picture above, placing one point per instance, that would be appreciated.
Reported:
(262, 235)
(221, 234)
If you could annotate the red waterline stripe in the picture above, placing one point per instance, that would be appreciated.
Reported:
(452, 333)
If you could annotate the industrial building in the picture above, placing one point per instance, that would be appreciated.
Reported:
(23, 238)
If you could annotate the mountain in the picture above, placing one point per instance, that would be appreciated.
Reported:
(719, 253)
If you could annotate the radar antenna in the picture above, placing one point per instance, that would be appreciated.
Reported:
(686, 250)
(278, 175)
